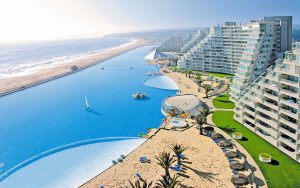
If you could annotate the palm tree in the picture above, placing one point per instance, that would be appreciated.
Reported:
(185, 72)
(207, 88)
(140, 184)
(166, 182)
(201, 120)
(205, 113)
(199, 80)
(189, 72)
(178, 150)
(165, 160)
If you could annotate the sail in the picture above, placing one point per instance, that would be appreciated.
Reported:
(86, 103)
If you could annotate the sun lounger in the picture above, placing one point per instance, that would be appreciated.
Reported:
(143, 159)
(138, 175)
(177, 168)
(123, 156)
(181, 156)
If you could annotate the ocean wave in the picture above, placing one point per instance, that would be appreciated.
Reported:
(29, 67)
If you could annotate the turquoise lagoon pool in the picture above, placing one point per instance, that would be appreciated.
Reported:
(51, 115)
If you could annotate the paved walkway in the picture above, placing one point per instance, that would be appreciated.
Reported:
(257, 177)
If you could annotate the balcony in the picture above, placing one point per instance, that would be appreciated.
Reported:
(270, 139)
(249, 126)
(251, 120)
(248, 101)
(287, 151)
(289, 92)
(288, 141)
(290, 102)
(289, 113)
(269, 130)
(272, 78)
(267, 111)
(249, 111)
(270, 104)
(272, 87)
(269, 122)
(270, 96)
(288, 123)
(238, 118)
(237, 110)
(289, 82)
(287, 132)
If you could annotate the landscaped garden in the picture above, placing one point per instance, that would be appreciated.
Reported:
(220, 75)
(283, 171)
(223, 101)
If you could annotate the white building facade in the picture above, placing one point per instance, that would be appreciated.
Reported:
(223, 48)
(270, 106)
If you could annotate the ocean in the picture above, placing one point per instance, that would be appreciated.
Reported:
(19, 58)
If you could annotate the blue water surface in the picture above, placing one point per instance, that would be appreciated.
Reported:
(50, 115)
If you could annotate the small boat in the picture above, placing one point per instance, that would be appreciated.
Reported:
(138, 95)
(86, 103)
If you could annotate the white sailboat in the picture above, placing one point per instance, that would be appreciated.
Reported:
(86, 103)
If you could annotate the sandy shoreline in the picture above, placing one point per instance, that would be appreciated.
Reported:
(12, 84)
(206, 165)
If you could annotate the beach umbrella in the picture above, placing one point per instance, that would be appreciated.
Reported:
(225, 143)
(208, 129)
(232, 154)
(217, 136)
(237, 166)
(239, 179)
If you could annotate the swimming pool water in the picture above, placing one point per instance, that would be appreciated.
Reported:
(50, 115)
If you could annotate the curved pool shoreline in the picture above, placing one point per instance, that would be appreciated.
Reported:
(72, 167)
(59, 149)
(161, 82)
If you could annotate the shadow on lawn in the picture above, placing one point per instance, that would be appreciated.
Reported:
(223, 101)
(274, 162)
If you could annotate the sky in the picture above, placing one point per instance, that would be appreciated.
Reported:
(33, 20)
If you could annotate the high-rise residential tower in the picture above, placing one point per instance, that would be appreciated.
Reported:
(270, 106)
(264, 42)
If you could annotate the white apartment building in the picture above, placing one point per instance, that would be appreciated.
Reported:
(264, 42)
(270, 106)
(223, 48)
(218, 52)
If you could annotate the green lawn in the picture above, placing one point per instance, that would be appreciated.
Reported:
(220, 75)
(223, 101)
(284, 172)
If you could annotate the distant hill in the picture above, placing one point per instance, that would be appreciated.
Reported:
(296, 32)
(157, 36)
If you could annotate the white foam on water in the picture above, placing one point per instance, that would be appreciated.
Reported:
(27, 68)
(162, 82)
(70, 167)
